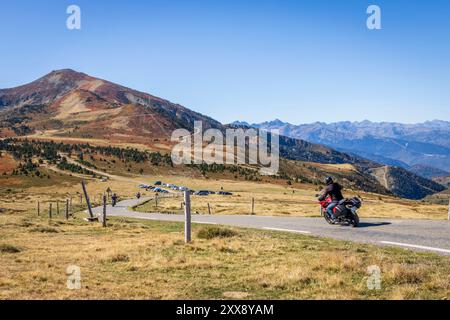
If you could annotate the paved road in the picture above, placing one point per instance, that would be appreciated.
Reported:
(425, 235)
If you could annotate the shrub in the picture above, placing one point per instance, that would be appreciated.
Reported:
(44, 230)
(7, 248)
(120, 258)
(215, 232)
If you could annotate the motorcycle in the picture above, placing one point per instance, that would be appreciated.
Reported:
(345, 213)
(113, 201)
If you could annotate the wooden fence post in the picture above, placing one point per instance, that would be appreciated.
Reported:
(253, 206)
(57, 207)
(209, 209)
(91, 214)
(156, 200)
(104, 211)
(187, 216)
(449, 210)
(67, 209)
(50, 213)
(39, 208)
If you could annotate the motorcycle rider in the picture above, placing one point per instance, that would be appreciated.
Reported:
(114, 199)
(333, 190)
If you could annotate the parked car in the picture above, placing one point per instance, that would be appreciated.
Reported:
(157, 183)
(157, 190)
(202, 193)
(225, 193)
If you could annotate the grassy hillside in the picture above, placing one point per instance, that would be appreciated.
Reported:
(441, 198)
(405, 183)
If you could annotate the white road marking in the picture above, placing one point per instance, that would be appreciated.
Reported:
(288, 230)
(415, 246)
(134, 217)
(199, 222)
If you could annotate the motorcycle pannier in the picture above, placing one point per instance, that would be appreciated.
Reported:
(340, 209)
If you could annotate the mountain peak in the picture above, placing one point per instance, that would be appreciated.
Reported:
(240, 123)
(279, 122)
(68, 74)
(44, 90)
(276, 122)
(64, 71)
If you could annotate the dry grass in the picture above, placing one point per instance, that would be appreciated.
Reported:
(148, 260)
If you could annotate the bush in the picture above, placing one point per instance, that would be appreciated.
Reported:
(119, 258)
(44, 230)
(7, 248)
(215, 232)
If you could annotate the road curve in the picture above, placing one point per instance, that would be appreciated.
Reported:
(423, 235)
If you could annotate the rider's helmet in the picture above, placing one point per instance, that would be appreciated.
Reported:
(329, 180)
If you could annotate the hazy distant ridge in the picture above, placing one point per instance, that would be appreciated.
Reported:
(424, 144)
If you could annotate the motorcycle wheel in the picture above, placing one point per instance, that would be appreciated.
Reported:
(325, 215)
(355, 220)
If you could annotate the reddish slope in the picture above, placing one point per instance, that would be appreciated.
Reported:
(74, 104)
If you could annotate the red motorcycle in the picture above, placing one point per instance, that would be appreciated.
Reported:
(345, 213)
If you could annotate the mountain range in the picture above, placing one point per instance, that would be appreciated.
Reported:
(422, 148)
(70, 105)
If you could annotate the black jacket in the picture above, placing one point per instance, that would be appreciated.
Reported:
(333, 190)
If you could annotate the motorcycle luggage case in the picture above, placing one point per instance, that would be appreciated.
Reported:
(340, 209)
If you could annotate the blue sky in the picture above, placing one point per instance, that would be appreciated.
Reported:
(299, 61)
